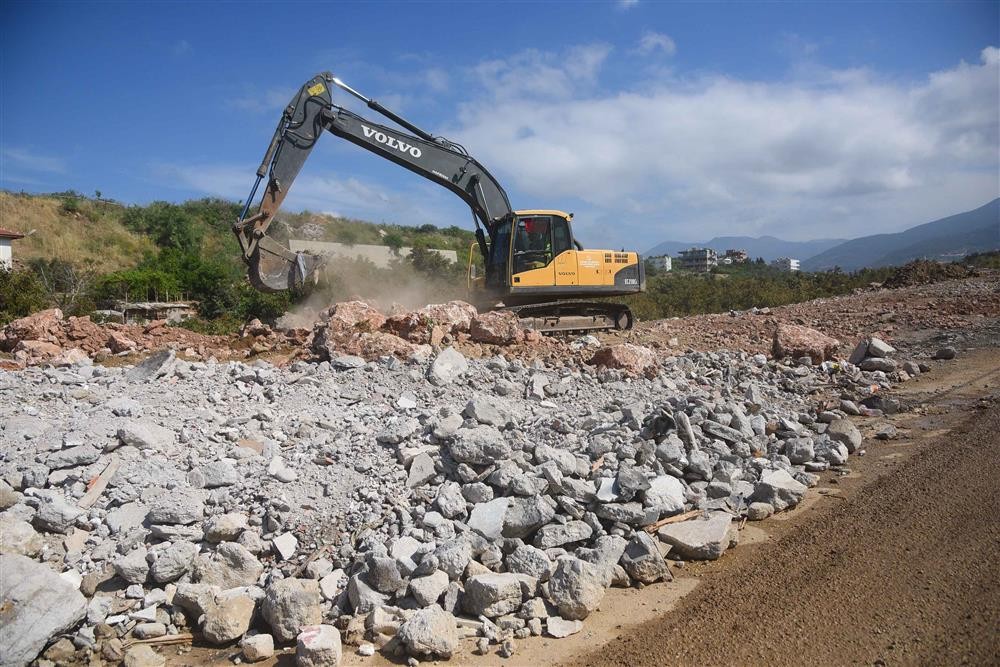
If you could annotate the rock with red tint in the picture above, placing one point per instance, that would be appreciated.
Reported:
(73, 355)
(36, 351)
(497, 327)
(793, 340)
(154, 326)
(625, 356)
(431, 323)
(45, 325)
(80, 328)
(118, 342)
(255, 328)
(352, 316)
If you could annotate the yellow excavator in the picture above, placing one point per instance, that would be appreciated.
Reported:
(533, 264)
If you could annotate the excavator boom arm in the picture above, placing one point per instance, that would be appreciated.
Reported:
(272, 267)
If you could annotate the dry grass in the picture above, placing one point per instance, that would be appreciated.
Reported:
(94, 236)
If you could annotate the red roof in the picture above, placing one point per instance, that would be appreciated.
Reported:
(7, 234)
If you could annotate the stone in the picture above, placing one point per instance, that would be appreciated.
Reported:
(453, 557)
(124, 518)
(173, 562)
(427, 590)
(844, 431)
(698, 539)
(143, 656)
(496, 327)
(332, 584)
(155, 365)
(72, 457)
(558, 627)
(318, 646)
(180, 506)
(430, 631)
(633, 359)
(398, 431)
(576, 588)
(759, 511)
(878, 364)
(37, 605)
(257, 647)
(133, 568)
(231, 566)
(799, 450)
(18, 537)
(225, 527)
(665, 494)
(149, 630)
(219, 473)
(879, 348)
(146, 435)
(484, 412)
(531, 561)
(643, 560)
(447, 367)
(450, 501)
(8, 496)
(492, 594)
(886, 432)
(557, 535)
(793, 340)
(285, 545)
(290, 605)
(384, 575)
(228, 616)
(482, 445)
(487, 519)
(778, 489)
(527, 514)
(945, 353)
(859, 353)
(363, 597)
(421, 471)
(195, 598)
(56, 515)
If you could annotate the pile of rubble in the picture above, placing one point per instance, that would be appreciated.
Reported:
(48, 337)
(399, 504)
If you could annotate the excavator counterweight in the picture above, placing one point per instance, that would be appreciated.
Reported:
(534, 265)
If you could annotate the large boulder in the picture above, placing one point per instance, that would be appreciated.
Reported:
(228, 616)
(793, 340)
(430, 631)
(482, 445)
(447, 366)
(642, 560)
(630, 358)
(290, 605)
(36, 604)
(497, 327)
(577, 587)
(844, 431)
(778, 489)
(318, 646)
(492, 594)
(698, 539)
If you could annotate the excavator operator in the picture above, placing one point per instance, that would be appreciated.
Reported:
(532, 245)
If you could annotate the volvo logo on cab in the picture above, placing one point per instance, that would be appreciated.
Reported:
(391, 142)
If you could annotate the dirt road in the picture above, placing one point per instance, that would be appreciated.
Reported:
(895, 566)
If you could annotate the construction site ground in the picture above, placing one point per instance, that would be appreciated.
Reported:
(892, 564)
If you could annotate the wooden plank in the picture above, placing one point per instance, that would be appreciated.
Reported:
(98, 484)
(677, 518)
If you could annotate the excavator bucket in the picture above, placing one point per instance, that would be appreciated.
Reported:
(271, 266)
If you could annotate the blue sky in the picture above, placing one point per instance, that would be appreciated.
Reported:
(650, 121)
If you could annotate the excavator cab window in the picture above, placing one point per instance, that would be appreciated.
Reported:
(532, 243)
(562, 240)
(496, 268)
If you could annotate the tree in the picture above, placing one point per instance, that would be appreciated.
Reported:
(66, 284)
(395, 241)
(21, 293)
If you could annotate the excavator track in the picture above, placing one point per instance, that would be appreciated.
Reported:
(572, 316)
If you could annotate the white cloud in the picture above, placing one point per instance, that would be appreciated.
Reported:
(28, 160)
(842, 154)
(625, 5)
(651, 42)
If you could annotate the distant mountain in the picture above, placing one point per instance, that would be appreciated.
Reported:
(767, 247)
(945, 239)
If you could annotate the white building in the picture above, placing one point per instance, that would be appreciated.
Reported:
(786, 264)
(700, 260)
(379, 255)
(661, 262)
(6, 251)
